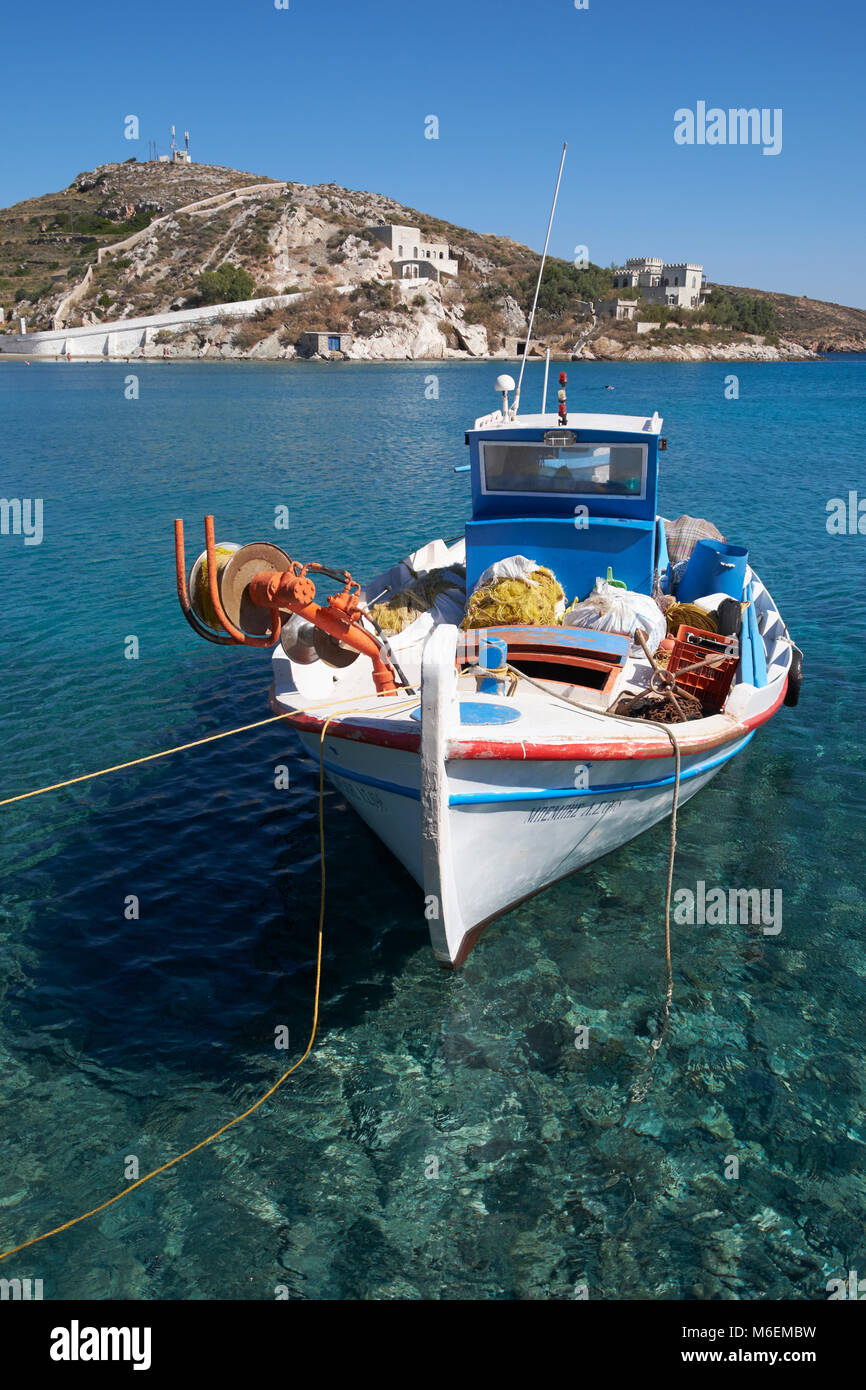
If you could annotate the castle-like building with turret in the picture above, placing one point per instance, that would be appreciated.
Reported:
(681, 284)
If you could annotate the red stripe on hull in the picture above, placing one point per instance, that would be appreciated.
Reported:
(607, 750)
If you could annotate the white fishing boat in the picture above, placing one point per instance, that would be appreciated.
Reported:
(489, 782)
(495, 760)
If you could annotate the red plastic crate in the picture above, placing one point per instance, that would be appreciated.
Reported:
(710, 684)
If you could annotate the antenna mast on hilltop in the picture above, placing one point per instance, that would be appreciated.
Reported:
(516, 403)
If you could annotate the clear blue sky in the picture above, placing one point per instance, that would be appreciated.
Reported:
(338, 90)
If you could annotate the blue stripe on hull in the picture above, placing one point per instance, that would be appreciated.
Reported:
(610, 789)
(372, 781)
(541, 794)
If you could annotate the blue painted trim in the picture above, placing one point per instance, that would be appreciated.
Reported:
(662, 559)
(494, 504)
(586, 639)
(612, 789)
(746, 669)
(759, 652)
(549, 794)
(350, 776)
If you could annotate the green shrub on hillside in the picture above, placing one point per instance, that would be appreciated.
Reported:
(88, 223)
(562, 284)
(746, 312)
(226, 285)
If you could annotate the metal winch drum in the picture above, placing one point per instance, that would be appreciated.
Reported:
(304, 643)
(236, 566)
(298, 640)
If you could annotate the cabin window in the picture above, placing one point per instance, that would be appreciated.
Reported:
(580, 470)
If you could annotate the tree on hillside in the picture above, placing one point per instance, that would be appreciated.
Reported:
(226, 285)
(746, 312)
(563, 284)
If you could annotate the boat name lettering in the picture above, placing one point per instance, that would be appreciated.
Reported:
(555, 813)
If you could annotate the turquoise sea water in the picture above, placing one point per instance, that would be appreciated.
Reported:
(122, 1038)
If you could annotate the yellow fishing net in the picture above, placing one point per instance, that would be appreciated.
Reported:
(200, 592)
(691, 615)
(506, 602)
(402, 608)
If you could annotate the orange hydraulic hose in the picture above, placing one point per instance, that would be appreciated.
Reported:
(213, 590)
(296, 592)
(197, 626)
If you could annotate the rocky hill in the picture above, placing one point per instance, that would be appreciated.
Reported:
(814, 323)
(127, 240)
(134, 232)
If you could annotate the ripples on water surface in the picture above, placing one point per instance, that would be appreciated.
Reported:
(139, 1037)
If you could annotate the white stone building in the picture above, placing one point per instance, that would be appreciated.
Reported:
(617, 308)
(412, 258)
(644, 272)
(680, 284)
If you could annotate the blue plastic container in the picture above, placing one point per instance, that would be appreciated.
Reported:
(715, 567)
(492, 655)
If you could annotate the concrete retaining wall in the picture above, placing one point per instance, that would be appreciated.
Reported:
(129, 337)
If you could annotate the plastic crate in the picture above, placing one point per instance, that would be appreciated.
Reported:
(710, 684)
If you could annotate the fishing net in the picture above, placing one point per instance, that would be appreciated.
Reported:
(536, 601)
(401, 610)
(199, 585)
(690, 614)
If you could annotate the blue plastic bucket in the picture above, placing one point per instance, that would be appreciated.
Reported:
(715, 567)
(492, 656)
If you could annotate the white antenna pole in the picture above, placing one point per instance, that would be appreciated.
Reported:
(544, 392)
(516, 404)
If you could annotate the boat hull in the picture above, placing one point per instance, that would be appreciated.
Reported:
(504, 829)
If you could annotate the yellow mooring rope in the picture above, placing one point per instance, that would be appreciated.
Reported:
(182, 747)
(34, 1240)
(639, 1088)
(641, 1085)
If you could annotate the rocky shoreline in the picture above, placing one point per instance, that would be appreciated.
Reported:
(746, 350)
(735, 352)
